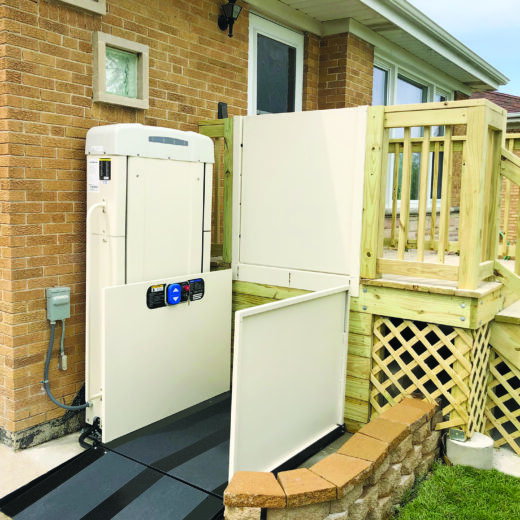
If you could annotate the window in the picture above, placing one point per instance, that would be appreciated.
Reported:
(95, 6)
(120, 71)
(380, 87)
(275, 68)
(393, 85)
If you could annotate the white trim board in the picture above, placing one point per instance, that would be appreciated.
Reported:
(401, 17)
(391, 53)
(305, 280)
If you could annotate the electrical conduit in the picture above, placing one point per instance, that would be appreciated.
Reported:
(53, 329)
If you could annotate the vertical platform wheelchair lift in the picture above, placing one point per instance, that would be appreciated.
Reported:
(158, 379)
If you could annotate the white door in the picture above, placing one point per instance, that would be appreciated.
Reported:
(288, 377)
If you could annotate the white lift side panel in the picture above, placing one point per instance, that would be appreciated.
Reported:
(288, 377)
(302, 190)
(159, 362)
(165, 215)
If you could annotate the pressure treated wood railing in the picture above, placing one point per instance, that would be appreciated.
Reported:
(433, 163)
(509, 244)
(221, 130)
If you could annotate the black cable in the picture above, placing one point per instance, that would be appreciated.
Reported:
(46, 376)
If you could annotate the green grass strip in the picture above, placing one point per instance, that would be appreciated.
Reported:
(463, 493)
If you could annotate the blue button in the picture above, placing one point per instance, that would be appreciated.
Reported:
(173, 294)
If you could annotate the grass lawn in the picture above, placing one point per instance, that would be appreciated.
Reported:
(462, 493)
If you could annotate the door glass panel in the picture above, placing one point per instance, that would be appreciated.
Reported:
(276, 74)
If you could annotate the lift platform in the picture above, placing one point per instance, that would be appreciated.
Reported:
(176, 468)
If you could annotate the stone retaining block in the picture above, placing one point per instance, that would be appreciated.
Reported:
(361, 481)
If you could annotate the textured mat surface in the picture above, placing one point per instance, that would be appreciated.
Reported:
(173, 469)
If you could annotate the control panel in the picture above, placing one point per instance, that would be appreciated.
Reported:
(164, 295)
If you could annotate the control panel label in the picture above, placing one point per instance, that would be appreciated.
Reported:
(155, 296)
(162, 295)
(105, 169)
(93, 174)
(196, 289)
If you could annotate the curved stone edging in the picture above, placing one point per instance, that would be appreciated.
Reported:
(362, 480)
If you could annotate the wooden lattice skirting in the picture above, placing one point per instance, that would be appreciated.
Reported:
(503, 404)
(444, 364)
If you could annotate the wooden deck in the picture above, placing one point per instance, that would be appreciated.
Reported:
(438, 313)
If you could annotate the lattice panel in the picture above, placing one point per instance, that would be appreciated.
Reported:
(478, 379)
(444, 364)
(503, 404)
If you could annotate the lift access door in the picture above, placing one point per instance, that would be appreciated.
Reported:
(288, 378)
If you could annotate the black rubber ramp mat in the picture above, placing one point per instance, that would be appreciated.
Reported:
(173, 469)
(99, 484)
(192, 446)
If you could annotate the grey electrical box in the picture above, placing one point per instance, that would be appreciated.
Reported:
(58, 303)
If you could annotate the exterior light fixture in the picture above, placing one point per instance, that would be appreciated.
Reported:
(230, 14)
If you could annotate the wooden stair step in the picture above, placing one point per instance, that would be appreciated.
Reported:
(510, 314)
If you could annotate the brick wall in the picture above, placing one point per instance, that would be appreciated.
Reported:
(345, 72)
(311, 71)
(46, 109)
(510, 200)
(360, 72)
(45, 112)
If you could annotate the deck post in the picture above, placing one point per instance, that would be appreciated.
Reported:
(374, 192)
(472, 197)
(228, 190)
(218, 129)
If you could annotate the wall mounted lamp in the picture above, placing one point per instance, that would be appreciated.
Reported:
(230, 14)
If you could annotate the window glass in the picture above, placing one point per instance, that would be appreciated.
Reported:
(438, 131)
(276, 75)
(410, 92)
(121, 72)
(379, 87)
(391, 86)
(275, 72)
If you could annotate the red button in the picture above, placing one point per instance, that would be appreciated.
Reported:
(186, 287)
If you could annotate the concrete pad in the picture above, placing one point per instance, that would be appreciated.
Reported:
(476, 452)
(22, 466)
(505, 461)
